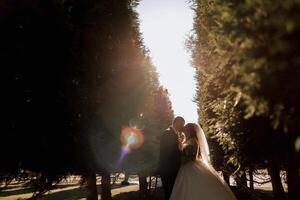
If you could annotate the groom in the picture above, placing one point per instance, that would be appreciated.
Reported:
(170, 155)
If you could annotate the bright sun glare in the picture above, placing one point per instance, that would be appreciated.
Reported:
(165, 26)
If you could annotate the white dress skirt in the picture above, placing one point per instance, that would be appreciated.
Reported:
(197, 181)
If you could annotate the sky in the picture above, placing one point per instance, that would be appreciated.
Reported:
(165, 25)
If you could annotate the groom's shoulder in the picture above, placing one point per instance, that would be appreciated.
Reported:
(168, 131)
(168, 135)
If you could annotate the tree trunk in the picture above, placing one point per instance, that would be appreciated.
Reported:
(143, 185)
(226, 177)
(244, 180)
(126, 177)
(91, 186)
(241, 182)
(274, 172)
(105, 186)
(251, 177)
(125, 182)
(293, 174)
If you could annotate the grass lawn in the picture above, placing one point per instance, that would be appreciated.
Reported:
(61, 192)
(71, 190)
(158, 195)
(119, 192)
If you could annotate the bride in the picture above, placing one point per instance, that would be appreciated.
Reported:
(196, 179)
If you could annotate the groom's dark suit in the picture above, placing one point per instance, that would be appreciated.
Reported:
(170, 160)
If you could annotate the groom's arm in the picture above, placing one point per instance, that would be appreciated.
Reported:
(169, 145)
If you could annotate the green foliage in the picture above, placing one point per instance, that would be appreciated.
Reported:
(246, 55)
(76, 73)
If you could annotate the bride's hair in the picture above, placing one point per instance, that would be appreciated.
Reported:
(192, 130)
(192, 150)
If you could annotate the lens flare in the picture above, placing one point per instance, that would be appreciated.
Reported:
(131, 139)
(124, 152)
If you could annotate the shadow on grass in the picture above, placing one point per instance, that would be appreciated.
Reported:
(16, 192)
(158, 195)
(81, 193)
(66, 194)
(72, 194)
(76, 193)
(27, 190)
(154, 195)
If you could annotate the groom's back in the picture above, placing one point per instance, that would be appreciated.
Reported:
(170, 156)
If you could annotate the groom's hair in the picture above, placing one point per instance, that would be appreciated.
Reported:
(178, 119)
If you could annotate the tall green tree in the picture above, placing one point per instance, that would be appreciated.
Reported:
(76, 72)
(246, 56)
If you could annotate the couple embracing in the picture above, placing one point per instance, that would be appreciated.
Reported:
(184, 166)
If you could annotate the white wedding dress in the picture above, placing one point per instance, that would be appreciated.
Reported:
(197, 180)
